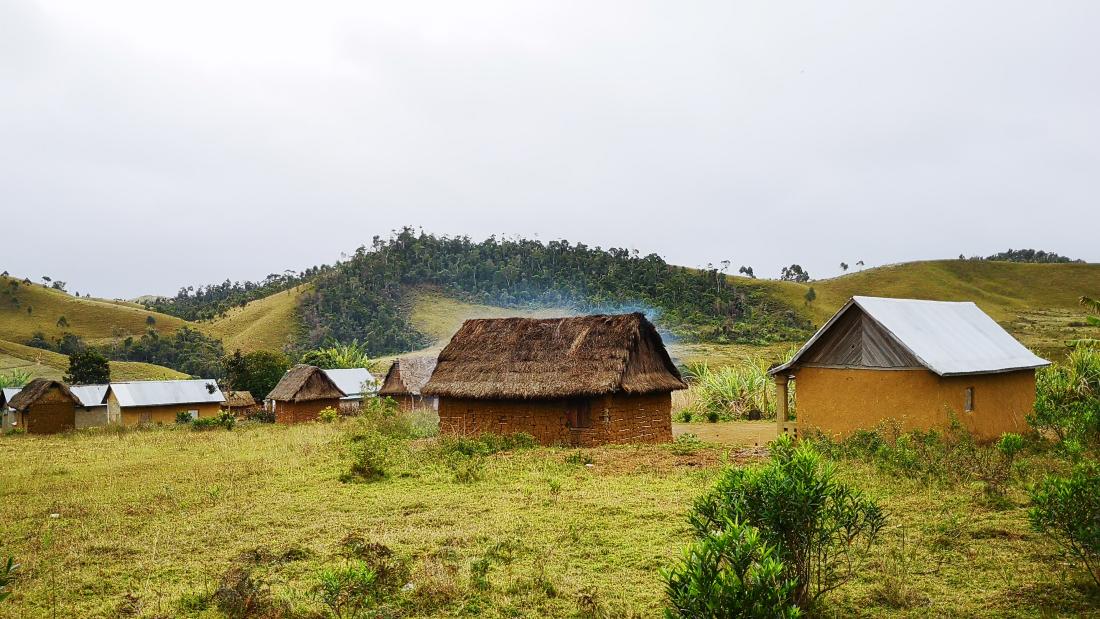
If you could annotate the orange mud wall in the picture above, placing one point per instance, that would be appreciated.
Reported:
(299, 412)
(839, 401)
(614, 419)
(52, 413)
(137, 415)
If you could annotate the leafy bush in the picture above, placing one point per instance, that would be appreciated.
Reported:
(260, 416)
(730, 392)
(730, 572)
(328, 414)
(183, 418)
(822, 528)
(14, 378)
(222, 420)
(686, 444)
(1068, 510)
(385, 415)
(8, 568)
(1067, 399)
(347, 590)
(369, 457)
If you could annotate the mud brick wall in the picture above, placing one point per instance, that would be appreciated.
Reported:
(615, 419)
(300, 412)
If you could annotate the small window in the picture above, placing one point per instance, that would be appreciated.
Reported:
(969, 404)
(194, 414)
(579, 414)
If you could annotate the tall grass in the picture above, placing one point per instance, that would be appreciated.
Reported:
(731, 392)
(14, 378)
(1067, 399)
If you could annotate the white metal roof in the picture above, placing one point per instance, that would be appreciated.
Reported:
(949, 338)
(166, 392)
(351, 381)
(91, 396)
(9, 393)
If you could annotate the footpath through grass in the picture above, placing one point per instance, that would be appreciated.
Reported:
(153, 523)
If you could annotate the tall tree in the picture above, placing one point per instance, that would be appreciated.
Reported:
(256, 372)
(88, 367)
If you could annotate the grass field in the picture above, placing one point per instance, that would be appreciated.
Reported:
(540, 533)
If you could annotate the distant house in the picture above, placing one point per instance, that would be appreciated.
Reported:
(92, 411)
(917, 362)
(45, 406)
(159, 401)
(302, 393)
(239, 401)
(404, 380)
(581, 381)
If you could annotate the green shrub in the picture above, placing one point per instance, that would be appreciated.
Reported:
(686, 444)
(328, 414)
(8, 568)
(348, 590)
(386, 416)
(822, 528)
(467, 469)
(222, 420)
(183, 418)
(369, 457)
(1068, 510)
(730, 572)
(731, 392)
(1067, 399)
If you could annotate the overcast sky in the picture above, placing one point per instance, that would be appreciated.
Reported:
(148, 145)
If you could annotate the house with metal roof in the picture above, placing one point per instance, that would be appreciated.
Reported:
(354, 382)
(159, 401)
(92, 411)
(915, 362)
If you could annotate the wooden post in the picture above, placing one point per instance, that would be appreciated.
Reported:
(781, 402)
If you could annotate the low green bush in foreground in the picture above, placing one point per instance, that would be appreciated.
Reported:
(1068, 510)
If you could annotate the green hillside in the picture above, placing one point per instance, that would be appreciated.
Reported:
(95, 320)
(1038, 303)
(264, 324)
(48, 364)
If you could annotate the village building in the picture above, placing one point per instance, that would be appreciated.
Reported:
(44, 406)
(302, 393)
(239, 402)
(918, 363)
(160, 401)
(405, 380)
(356, 383)
(7, 415)
(92, 411)
(584, 380)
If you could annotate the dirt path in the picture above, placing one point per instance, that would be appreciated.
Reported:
(730, 433)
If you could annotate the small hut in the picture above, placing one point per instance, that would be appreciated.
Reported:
(45, 406)
(239, 401)
(302, 393)
(583, 380)
(916, 362)
(406, 378)
(161, 401)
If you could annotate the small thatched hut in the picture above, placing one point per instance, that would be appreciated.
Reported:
(239, 401)
(302, 393)
(584, 380)
(45, 406)
(406, 378)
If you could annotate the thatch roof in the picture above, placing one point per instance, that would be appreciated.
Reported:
(525, 358)
(37, 388)
(303, 383)
(239, 399)
(407, 376)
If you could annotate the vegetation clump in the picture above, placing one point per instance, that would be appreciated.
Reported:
(728, 393)
(8, 569)
(224, 420)
(821, 528)
(1068, 510)
(1067, 400)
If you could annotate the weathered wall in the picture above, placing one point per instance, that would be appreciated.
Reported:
(51, 413)
(136, 415)
(839, 401)
(299, 412)
(91, 418)
(615, 419)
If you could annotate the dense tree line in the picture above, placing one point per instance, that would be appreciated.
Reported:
(365, 298)
(187, 350)
(1027, 255)
(205, 302)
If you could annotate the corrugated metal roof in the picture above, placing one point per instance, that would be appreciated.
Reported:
(90, 396)
(166, 392)
(351, 380)
(949, 338)
(9, 393)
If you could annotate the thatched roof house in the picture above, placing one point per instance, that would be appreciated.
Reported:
(578, 380)
(302, 393)
(405, 379)
(239, 400)
(45, 406)
(914, 361)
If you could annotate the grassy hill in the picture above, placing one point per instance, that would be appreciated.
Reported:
(95, 320)
(48, 364)
(1036, 302)
(264, 324)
